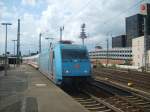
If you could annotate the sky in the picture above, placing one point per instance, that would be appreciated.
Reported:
(103, 19)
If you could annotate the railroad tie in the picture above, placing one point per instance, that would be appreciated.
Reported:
(124, 104)
(108, 110)
(97, 109)
(143, 103)
(84, 100)
(139, 100)
(92, 105)
(135, 110)
(85, 103)
(133, 98)
(146, 106)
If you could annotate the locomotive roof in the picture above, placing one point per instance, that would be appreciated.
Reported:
(72, 46)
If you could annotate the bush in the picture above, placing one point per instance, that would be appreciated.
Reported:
(100, 65)
(113, 65)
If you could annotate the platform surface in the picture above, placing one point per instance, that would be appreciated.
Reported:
(25, 89)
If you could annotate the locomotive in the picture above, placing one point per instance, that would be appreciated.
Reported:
(65, 62)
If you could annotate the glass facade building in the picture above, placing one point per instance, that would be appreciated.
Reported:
(134, 27)
(119, 41)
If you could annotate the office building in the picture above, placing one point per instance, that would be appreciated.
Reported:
(134, 27)
(119, 41)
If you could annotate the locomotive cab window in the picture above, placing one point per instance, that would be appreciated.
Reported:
(74, 54)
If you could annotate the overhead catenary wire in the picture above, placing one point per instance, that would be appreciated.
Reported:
(110, 20)
(87, 4)
(115, 18)
(91, 2)
(123, 12)
(107, 21)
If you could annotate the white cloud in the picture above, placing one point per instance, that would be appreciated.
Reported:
(2, 8)
(55, 15)
(29, 2)
(100, 16)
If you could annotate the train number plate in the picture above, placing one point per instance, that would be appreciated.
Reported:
(77, 66)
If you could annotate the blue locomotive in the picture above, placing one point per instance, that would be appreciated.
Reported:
(65, 62)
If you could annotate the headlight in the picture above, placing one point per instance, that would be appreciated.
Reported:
(85, 71)
(66, 71)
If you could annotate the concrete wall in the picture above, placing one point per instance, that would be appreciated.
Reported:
(138, 51)
(148, 59)
(127, 67)
(110, 61)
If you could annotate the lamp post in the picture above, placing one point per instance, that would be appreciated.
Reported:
(40, 35)
(107, 52)
(47, 38)
(40, 41)
(14, 51)
(6, 24)
(61, 31)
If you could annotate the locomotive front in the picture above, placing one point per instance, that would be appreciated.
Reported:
(75, 63)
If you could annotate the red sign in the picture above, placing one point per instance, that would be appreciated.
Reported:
(77, 66)
(143, 9)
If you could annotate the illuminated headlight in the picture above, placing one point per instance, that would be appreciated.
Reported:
(85, 71)
(67, 71)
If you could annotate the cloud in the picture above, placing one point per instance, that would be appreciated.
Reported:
(96, 14)
(102, 18)
(2, 8)
(29, 2)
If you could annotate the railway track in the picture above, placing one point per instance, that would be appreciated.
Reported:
(124, 98)
(130, 73)
(138, 101)
(129, 103)
(125, 77)
(114, 101)
(112, 104)
(92, 104)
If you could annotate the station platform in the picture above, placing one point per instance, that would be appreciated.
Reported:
(25, 89)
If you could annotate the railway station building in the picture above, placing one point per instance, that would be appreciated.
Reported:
(114, 56)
